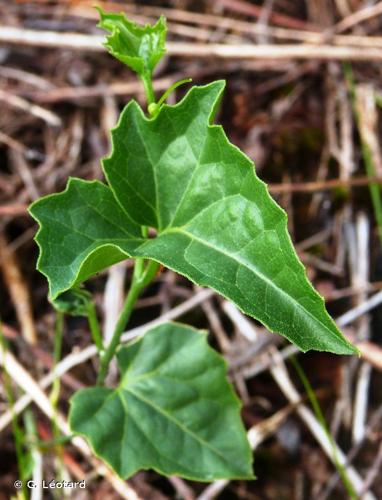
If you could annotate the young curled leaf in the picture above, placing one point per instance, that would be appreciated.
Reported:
(139, 47)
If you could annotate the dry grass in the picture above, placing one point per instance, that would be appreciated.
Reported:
(314, 134)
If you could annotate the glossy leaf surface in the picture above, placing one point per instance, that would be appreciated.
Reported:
(215, 221)
(173, 410)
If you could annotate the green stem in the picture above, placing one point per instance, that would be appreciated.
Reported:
(148, 86)
(16, 429)
(141, 278)
(31, 440)
(155, 107)
(95, 329)
(58, 334)
(47, 444)
(341, 469)
(55, 392)
(375, 191)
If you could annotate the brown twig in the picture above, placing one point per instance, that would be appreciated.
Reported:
(311, 187)
(235, 25)
(35, 110)
(250, 9)
(93, 43)
(14, 209)
(358, 17)
(18, 291)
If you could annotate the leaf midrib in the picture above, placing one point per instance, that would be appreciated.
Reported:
(256, 271)
(174, 421)
(154, 166)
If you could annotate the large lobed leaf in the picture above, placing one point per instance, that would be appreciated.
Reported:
(215, 220)
(173, 411)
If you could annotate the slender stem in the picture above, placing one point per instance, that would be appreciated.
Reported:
(148, 86)
(55, 392)
(58, 334)
(47, 444)
(141, 278)
(139, 267)
(128, 306)
(155, 108)
(95, 329)
(36, 455)
(341, 469)
(17, 431)
(375, 192)
(139, 262)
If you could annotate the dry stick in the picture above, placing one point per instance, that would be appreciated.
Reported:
(341, 293)
(369, 351)
(373, 473)
(334, 453)
(34, 109)
(80, 357)
(14, 209)
(228, 23)
(216, 326)
(18, 291)
(310, 187)
(263, 21)
(371, 426)
(77, 358)
(19, 147)
(248, 330)
(250, 9)
(183, 490)
(359, 277)
(26, 77)
(81, 42)
(256, 435)
(113, 89)
(113, 299)
(290, 75)
(141, 18)
(356, 312)
(134, 87)
(23, 379)
(315, 262)
(244, 325)
(25, 173)
(358, 17)
(344, 405)
(298, 187)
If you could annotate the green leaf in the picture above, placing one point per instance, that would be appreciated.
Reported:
(215, 220)
(83, 231)
(173, 411)
(139, 47)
